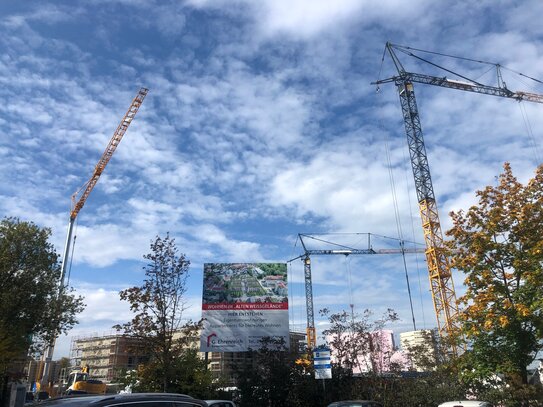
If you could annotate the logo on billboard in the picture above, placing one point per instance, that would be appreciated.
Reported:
(209, 337)
(213, 341)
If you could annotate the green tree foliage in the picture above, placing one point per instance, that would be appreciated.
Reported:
(186, 374)
(160, 328)
(433, 373)
(273, 377)
(498, 245)
(270, 377)
(365, 366)
(273, 269)
(32, 312)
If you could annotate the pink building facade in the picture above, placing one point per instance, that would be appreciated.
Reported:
(374, 352)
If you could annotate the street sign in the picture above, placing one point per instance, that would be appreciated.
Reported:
(322, 364)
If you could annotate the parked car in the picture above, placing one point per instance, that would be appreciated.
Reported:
(36, 397)
(29, 397)
(355, 403)
(126, 400)
(465, 403)
(42, 395)
(220, 403)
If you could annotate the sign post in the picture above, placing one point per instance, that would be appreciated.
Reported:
(322, 364)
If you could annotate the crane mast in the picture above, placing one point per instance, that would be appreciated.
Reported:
(77, 204)
(310, 330)
(441, 282)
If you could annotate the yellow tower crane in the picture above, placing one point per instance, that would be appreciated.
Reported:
(441, 281)
(77, 203)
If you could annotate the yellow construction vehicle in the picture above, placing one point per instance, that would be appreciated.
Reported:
(80, 382)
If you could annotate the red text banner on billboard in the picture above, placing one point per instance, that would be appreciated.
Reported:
(244, 306)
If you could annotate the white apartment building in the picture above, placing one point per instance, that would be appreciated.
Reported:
(419, 348)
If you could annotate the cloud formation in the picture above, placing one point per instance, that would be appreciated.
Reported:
(260, 123)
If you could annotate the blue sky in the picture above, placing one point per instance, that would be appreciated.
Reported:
(260, 124)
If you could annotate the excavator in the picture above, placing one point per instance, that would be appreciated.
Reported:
(80, 382)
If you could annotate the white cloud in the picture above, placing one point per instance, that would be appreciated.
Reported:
(345, 185)
(105, 244)
(306, 18)
(260, 123)
(231, 249)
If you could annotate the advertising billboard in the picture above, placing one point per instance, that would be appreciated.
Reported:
(243, 303)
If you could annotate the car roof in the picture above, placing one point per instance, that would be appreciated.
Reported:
(105, 399)
(465, 403)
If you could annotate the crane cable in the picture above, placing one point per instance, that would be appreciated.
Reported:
(407, 188)
(292, 312)
(530, 132)
(396, 209)
(377, 89)
(399, 225)
(404, 50)
(351, 301)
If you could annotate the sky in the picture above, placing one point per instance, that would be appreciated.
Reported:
(260, 123)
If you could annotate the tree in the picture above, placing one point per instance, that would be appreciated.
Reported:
(270, 377)
(434, 373)
(498, 245)
(363, 354)
(358, 342)
(159, 326)
(32, 310)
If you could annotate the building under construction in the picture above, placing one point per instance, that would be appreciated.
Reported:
(107, 355)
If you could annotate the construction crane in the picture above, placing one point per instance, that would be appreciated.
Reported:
(441, 281)
(340, 250)
(87, 188)
(83, 193)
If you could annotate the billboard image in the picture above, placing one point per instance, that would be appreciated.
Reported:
(242, 304)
